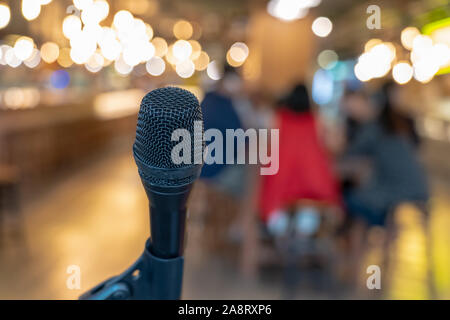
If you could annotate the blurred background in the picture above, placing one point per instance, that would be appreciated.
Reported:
(360, 93)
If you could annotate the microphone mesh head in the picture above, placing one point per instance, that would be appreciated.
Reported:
(163, 111)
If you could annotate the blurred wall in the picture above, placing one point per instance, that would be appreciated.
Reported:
(280, 52)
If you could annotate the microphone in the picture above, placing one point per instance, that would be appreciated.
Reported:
(158, 273)
(167, 184)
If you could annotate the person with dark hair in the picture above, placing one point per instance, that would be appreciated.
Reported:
(388, 145)
(305, 171)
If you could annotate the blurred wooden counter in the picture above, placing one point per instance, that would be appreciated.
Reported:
(41, 143)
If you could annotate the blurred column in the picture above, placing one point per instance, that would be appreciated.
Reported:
(280, 52)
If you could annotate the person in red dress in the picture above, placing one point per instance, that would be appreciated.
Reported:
(305, 170)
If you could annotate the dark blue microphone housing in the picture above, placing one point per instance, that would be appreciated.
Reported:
(167, 183)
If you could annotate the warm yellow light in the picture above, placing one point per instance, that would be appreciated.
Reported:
(123, 20)
(45, 2)
(132, 55)
(213, 71)
(11, 59)
(93, 32)
(122, 67)
(182, 49)
(111, 48)
(440, 52)
(421, 43)
(201, 63)
(322, 27)
(239, 52)
(425, 69)
(101, 8)
(149, 31)
(231, 61)
(21, 98)
(185, 69)
(407, 37)
(82, 4)
(95, 12)
(170, 57)
(402, 72)
(50, 52)
(23, 48)
(31, 9)
(83, 46)
(147, 51)
(289, 10)
(64, 59)
(371, 43)
(118, 104)
(34, 60)
(5, 15)
(71, 26)
(160, 46)
(182, 29)
(95, 63)
(196, 49)
(155, 66)
(361, 72)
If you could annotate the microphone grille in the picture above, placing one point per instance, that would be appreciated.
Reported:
(162, 111)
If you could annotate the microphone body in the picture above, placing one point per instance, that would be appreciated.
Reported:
(167, 220)
(158, 273)
(166, 183)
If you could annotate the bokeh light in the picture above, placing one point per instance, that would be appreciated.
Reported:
(181, 50)
(155, 66)
(82, 4)
(34, 60)
(160, 46)
(202, 62)
(64, 59)
(23, 48)
(49, 52)
(288, 10)
(5, 15)
(213, 71)
(322, 26)
(185, 69)
(327, 59)
(123, 20)
(60, 79)
(31, 9)
(407, 37)
(402, 72)
(239, 52)
(183, 30)
(71, 26)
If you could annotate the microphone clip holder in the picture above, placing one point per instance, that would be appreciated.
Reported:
(149, 278)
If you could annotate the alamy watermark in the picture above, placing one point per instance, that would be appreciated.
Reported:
(231, 149)
(73, 281)
(374, 280)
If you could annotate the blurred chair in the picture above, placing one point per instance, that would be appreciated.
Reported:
(303, 240)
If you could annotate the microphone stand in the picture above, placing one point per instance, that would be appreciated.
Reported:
(149, 277)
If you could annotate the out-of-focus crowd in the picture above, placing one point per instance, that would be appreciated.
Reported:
(337, 187)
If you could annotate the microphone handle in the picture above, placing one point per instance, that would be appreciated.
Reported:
(168, 221)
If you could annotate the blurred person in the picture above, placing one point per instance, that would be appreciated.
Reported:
(305, 171)
(223, 186)
(219, 108)
(388, 143)
(381, 164)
